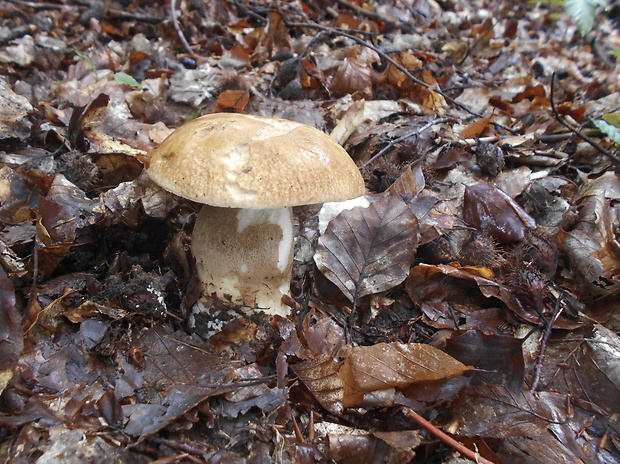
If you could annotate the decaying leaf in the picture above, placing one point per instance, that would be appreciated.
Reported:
(11, 340)
(499, 357)
(386, 366)
(592, 244)
(493, 212)
(352, 76)
(494, 411)
(411, 181)
(321, 346)
(369, 250)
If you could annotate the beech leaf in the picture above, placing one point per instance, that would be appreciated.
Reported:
(394, 365)
(369, 250)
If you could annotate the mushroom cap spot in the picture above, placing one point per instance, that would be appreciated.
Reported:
(242, 161)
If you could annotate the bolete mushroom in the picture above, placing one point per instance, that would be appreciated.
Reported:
(249, 171)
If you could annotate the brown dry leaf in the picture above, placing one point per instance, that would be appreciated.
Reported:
(457, 50)
(369, 250)
(56, 230)
(184, 374)
(322, 346)
(352, 76)
(320, 376)
(386, 366)
(490, 410)
(277, 39)
(499, 357)
(476, 128)
(396, 77)
(232, 101)
(411, 181)
(427, 97)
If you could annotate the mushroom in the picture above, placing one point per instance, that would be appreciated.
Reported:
(249, 171)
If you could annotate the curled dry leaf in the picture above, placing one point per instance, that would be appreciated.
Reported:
(321, 346)
(428, 287)
(477, 128)
(56, 234)
(369, 250)
(385, 366)
(411, 181)
(591, 245)
(493, 212)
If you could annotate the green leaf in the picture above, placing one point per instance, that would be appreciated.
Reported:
(616, 54)
(125, 79)
(612, 118)
(582, 12)
(610, 131)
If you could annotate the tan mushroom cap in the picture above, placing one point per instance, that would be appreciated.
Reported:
(241, 161)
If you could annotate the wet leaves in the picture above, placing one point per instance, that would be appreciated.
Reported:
(494, 253)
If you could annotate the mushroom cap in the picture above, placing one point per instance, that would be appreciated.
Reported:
(241, 161)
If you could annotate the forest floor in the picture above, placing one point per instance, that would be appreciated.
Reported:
(468, 312)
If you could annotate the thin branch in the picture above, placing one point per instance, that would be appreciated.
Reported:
(400, 67)
(444, 437)
(177, 28)
(575, 131)
(364, 12)
(543, 343)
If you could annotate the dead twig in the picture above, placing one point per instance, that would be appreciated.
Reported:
(177, 28)
(412, 133)
(543, 343)
(576, 131)
(364, 12)
(444, 437)
(401, 68)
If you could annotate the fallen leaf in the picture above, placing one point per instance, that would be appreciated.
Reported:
(477, 128)
(493, 212)
(385, 366)
(591, 243)
(369, 250)
(11, 340)
(351, 77)
(499, 357)
(233, 101)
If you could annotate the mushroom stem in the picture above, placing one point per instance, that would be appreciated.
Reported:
(245, 255)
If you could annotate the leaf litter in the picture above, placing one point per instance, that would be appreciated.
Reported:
(476, 287)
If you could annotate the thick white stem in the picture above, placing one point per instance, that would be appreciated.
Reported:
(245, 256)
